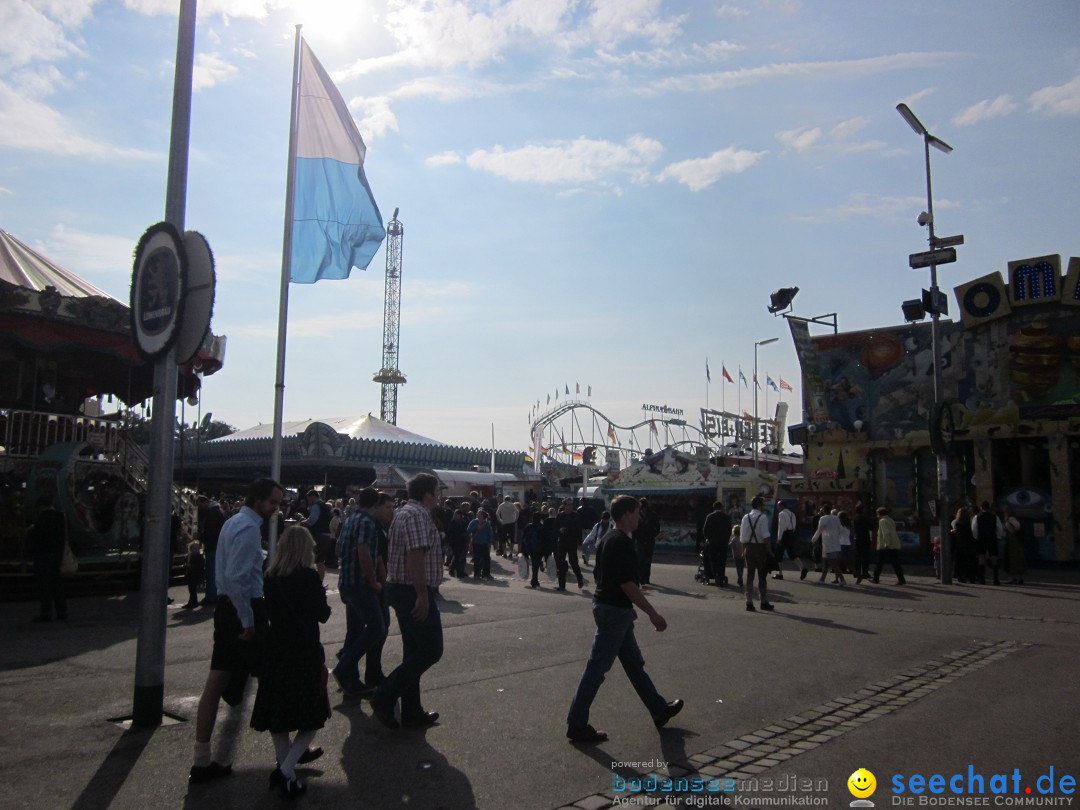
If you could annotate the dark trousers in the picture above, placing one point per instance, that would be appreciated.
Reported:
(365, 627)
(893, 556)
(211, 593)
(50, 587)
(506, 537)
(422, 647)
(565, 558)
(481, 560)
(862, 558)
(373, 673)
(534, 561)
(644, 555)
(458, 553)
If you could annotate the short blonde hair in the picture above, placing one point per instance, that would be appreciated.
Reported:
(295, 549)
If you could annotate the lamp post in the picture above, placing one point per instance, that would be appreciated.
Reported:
(757, 433)
(935, 338)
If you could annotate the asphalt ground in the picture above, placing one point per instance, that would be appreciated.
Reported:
(917, 680)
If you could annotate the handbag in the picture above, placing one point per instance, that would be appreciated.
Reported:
(69, 565)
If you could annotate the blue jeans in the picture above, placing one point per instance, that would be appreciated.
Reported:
(365, 628)
(422, 647)
(614, 639)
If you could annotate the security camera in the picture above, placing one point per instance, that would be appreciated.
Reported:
(925, 219)
(811, 428)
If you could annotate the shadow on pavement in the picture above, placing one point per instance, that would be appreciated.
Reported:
(113, 771)
(405, 771)
(827, 623)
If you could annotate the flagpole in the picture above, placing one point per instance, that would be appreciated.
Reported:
(707, 381)
(286, 272)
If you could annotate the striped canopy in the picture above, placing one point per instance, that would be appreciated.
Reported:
(23, 266)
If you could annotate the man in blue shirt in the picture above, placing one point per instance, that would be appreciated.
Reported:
(361, 590)
(239, 610)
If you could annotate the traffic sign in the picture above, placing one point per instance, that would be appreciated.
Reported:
(948, 241)
(930, 257)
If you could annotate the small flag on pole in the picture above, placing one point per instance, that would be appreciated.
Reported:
(743, 378)
(708, 376)
(724, 372)
(611, 432)
(784, 386)
(567, 389)
(769, 382)
(577, 388)
(590, 390)
(336, 224)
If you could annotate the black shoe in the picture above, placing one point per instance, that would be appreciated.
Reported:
(293, 789)
(310, 755)
(750, 607)
(204, 773)
(585, 734)
(777, 576)
(423, 720)
(767, 606)
(189, 605)
(673, 708)
(385, 715)
(534, 584)
(581, 583)
(348, 687)
(802, 574)
(277, 779)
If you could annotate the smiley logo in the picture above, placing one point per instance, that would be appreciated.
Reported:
(862, 783)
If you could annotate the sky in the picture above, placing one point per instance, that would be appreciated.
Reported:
(594, 192)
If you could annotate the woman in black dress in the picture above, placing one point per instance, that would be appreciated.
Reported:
(292, 688)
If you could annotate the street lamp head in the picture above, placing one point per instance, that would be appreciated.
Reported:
(781, 299)
(910, 117)
(766, 342)
(925, 219)
(938, 144)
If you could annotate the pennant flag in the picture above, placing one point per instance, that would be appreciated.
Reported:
(549, 399)
(724, 372)
(336, 224)
(611, 432)
(743, 378)
(757, 383)
(590, 390)
(556, 394)
(769, 381)
(784, 386)
(652, 428)
(577, 388)
(708, 376)
(567, 389)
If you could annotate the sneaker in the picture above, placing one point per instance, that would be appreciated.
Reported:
(672, 709)
(204, 773)
(585, 734)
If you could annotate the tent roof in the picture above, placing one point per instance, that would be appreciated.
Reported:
(355, 427)
(23, 266)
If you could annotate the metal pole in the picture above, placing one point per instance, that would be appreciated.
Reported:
(755, 436)
(156, 547)
(935, 350)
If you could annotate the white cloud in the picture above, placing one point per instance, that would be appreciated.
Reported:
(729, 10)
(85, 253)
(443, 159)
(845, 129)
(212, 69)
(661, 57)
(1062, 99)
(722, 80)
(33, 32)
(30, 125)
(377, 116)
(700, 173)
(1000, 106)
(582, 160)
(876, 207)
(615, 21)
(800, 139)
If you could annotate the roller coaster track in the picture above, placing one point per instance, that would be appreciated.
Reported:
(558, 445)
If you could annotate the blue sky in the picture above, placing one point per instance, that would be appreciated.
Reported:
(600, 192)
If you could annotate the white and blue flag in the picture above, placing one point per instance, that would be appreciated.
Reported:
(336, 224)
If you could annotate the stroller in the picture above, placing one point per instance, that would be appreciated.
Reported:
(712, 565)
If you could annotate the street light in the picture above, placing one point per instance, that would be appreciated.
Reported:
(757, 430)
(935, 338)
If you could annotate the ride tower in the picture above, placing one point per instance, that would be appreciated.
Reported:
(389, 375)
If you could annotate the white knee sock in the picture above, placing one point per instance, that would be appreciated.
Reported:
(299, 745)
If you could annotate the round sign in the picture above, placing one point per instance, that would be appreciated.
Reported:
(158, 287)
(198, 303)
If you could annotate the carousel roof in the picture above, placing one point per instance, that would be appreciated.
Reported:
(355, 427)
(23, 266)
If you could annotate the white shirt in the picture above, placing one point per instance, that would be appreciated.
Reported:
(828, 531)
(785, 522)
(754, 528)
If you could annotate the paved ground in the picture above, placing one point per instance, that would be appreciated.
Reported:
(921, 679)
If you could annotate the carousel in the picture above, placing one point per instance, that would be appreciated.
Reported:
(71, 376)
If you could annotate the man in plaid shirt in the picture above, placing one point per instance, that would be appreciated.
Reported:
(414, 572)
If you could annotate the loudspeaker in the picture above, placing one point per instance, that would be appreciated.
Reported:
(1070, 293)
(982, 300)
(797, 434)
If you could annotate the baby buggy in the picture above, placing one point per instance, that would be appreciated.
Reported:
(713, 559)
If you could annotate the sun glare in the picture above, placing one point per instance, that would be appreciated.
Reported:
(335, 21)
